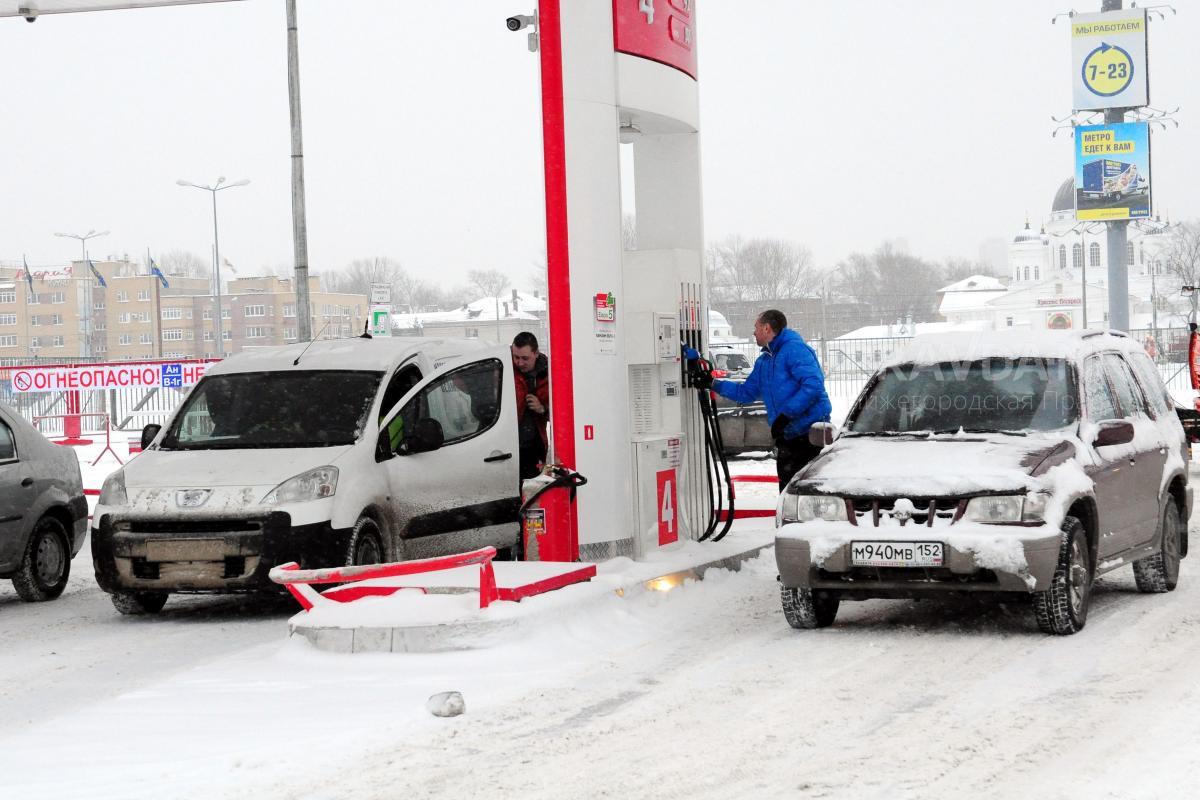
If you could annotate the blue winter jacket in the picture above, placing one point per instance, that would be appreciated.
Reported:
(789, 380)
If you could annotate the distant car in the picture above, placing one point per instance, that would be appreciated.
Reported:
(744, 428)
(43, 512)
(1008, 463)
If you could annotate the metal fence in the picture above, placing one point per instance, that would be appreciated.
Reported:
(848, 363)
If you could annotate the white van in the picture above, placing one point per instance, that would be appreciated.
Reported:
(353, 451)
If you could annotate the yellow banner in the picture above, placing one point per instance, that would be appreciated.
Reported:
(1108, 27)
(1102, 214)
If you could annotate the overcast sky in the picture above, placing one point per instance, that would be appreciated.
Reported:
(837, 125)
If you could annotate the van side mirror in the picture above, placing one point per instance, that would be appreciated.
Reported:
(1113, 431)
(148, 434)
(822, 434)
(426, 436)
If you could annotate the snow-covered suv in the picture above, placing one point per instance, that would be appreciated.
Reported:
(353, 451)
(1008, 462)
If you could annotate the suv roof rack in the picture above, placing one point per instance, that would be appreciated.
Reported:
(1109, 332)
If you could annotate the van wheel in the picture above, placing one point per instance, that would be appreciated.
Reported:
(46, 564)
(806, 609)
(1062, 609)
(1160, 572)
(366, 545)
(135, 603)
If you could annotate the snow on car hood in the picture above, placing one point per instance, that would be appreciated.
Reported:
(935, 466)
(155, 469)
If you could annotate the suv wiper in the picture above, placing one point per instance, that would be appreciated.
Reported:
(920, 434)
(980, 430)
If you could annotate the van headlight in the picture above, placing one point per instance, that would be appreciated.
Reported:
(1010, 508)
(112, 492)
(312, 485)
(809, 507)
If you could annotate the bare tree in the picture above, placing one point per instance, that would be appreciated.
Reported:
(491, 282)
(760, 270)
(896, 286)
(362, 272)
(182, 262)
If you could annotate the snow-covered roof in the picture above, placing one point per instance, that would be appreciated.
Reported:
(525, 302)
(378, 354)
(975, 283)
(967, 301)
(934, 348)
(918, 329)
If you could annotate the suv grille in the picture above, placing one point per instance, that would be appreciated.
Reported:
(927, 511)
(179, 527)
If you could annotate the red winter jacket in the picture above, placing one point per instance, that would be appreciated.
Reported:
(539, 378)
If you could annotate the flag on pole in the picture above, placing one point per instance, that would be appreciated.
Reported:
(156, 272)
(229, 266)
(96, 273)
(28, 274)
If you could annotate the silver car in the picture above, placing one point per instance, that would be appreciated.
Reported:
(744, 428)
(1018, 464)
(43, 512)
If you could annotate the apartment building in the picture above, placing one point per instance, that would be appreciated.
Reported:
(134, 317)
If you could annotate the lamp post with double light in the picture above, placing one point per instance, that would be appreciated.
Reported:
(219, 186)
(88, 348)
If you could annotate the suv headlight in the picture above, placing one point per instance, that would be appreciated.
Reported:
(809, 507)
(312, 485)
(112, 493)
(1008, 508)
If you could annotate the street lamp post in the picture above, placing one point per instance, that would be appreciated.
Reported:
(1080, 229)
(87, 314)
(220, 185)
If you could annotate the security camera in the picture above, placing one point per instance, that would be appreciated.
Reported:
(519, 22)
(30, 14)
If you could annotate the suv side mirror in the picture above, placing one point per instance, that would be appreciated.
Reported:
(426, 436)
(1113, 431)
(148, 434)
(822, 434)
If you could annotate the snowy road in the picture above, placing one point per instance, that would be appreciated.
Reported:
(703, 692)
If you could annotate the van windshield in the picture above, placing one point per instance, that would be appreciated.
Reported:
(274, 409)
(995, 394)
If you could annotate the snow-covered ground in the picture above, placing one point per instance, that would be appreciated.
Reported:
(701, 692)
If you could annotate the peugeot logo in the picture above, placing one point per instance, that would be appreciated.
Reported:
(903, 509)
(192, 498)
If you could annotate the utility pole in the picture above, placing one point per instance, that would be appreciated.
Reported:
(1118, 235)
(299, 218)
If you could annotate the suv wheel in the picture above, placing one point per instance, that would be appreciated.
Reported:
(806, 609)
(46, 564)
(139, 602)
(1062, 609)
(1160, 572)
(365, 544)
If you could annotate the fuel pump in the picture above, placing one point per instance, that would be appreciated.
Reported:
(714, 448)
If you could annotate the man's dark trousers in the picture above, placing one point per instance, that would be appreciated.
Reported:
(792, 455)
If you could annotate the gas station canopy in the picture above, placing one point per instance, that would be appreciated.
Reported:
(31, 9)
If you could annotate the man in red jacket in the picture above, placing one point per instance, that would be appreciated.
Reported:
(531, 372)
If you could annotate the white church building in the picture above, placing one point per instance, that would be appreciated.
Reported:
(1059, 273)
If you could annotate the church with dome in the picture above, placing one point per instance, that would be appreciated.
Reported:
(1057, 279)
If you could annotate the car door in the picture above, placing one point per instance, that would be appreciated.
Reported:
(465, 493)
(1149, 454)
(16, 493)
(1110, 470)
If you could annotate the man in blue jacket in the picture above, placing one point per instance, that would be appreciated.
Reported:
(789, 380)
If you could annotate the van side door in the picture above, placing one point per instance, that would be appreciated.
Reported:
(459, 490)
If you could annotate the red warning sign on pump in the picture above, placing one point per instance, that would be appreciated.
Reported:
(156, 375)
(660, 30)
(668, 517)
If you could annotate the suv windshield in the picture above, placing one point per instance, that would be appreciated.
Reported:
(274, 409)
(996, 394)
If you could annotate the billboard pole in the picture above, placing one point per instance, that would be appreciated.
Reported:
(1118, 257)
